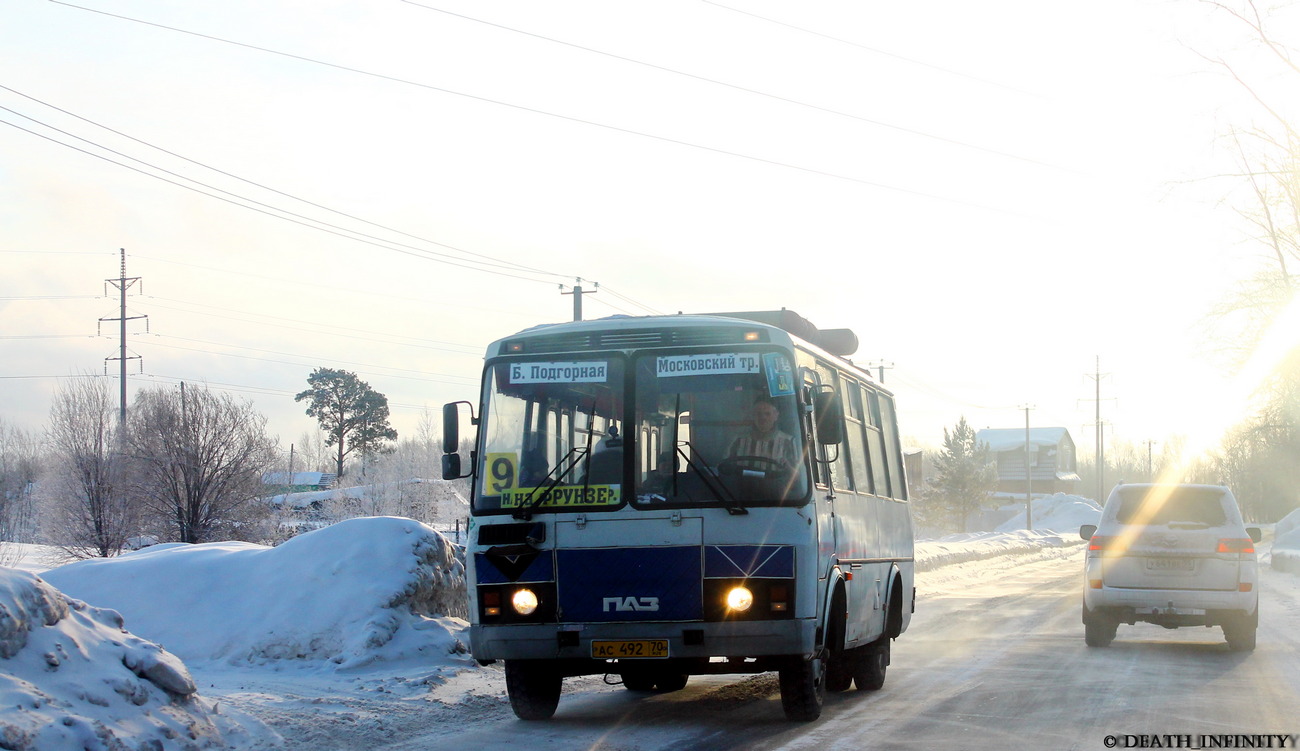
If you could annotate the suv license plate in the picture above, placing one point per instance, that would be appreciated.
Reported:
(636, 649)
(1171, 564)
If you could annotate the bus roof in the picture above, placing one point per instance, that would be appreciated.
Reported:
(839, 342)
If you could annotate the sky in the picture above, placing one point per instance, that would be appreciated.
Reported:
(1003, 200)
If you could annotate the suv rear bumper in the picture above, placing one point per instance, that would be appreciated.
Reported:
(1171, 607)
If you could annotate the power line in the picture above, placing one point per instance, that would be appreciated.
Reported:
(876, 50)
(567, 118)
(269, 210)
(241, 388)
(51, 297)
(464, 379)
(509, 264)
(317, 286)
(431, 255)
(737, 87)
(466, 349)
(268, 213)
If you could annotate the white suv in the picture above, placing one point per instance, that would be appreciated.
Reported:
(1172, 555)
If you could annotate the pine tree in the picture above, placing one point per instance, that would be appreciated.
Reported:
(353, 416)
(964, 473)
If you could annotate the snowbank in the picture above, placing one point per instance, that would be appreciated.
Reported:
(361, 590)
(71, 677)
(1286, 544)
(978, 546)
(1059, 513)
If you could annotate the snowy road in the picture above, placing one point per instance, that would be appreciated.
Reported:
(994, 658)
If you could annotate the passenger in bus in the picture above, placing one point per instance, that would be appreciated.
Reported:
(763, 439)
(658, 484)
(534, 469)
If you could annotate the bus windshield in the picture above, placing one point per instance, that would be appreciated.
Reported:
(551, 436)
(717, 428)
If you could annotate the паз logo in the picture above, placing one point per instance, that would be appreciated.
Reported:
(628, 604)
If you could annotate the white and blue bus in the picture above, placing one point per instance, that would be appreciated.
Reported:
(667, 496)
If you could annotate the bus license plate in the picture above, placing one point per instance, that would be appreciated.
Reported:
(630, 649)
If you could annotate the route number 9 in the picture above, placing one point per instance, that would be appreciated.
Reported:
(503, 472)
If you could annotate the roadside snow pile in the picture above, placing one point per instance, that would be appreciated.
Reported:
(1059, 512)
(978, 546)
(361, 590)
(1286, 544)
(71, 677)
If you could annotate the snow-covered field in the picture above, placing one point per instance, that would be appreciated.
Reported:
(336, 639)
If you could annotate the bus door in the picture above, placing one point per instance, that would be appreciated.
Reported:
(823, 489)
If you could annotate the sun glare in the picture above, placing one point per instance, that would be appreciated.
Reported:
(1222, 410)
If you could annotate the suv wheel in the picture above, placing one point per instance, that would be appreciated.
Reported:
(1239, 631)
(1098, 629)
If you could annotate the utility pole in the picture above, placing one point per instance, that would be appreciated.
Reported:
(1101, 436)
(1150, 478)
(1029, 475)
(577, 293)
(122, 283)
(881, 367)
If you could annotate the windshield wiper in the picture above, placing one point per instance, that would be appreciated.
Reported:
(529, 505)
(525, 512)
(706, 475)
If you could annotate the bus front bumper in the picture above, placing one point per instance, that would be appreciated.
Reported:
(737, 639)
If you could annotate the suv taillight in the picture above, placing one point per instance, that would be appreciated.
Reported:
(1236, 545)
(1100, 543)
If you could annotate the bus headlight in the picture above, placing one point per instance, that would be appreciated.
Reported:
(739, 599)
(524, 601)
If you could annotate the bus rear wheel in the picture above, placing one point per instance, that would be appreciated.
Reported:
(803, 689)
(534, 688)
(870, 665)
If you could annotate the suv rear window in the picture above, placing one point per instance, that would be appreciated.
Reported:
(1180, 505)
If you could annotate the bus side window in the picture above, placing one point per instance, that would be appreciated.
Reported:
(841, 476)
(854, 433)
(817, 450)
(893, 451)
(876, 439)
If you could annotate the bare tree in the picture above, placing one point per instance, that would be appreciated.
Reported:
(312, 453)
(1257, 457)
(92, 514)
(201, 457)
(18, 470)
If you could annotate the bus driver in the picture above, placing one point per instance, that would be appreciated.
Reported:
(763, 439)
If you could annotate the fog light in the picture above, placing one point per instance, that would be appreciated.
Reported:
(740, 599)
(778, 597)
(524, 601)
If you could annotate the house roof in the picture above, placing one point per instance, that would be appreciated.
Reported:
(298, 478)
(1006, 439)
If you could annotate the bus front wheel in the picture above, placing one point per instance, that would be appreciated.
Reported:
(534, 688)
(803, 688)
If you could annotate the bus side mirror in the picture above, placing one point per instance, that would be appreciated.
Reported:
(451, 467)
(451, 427)
(829, 414)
